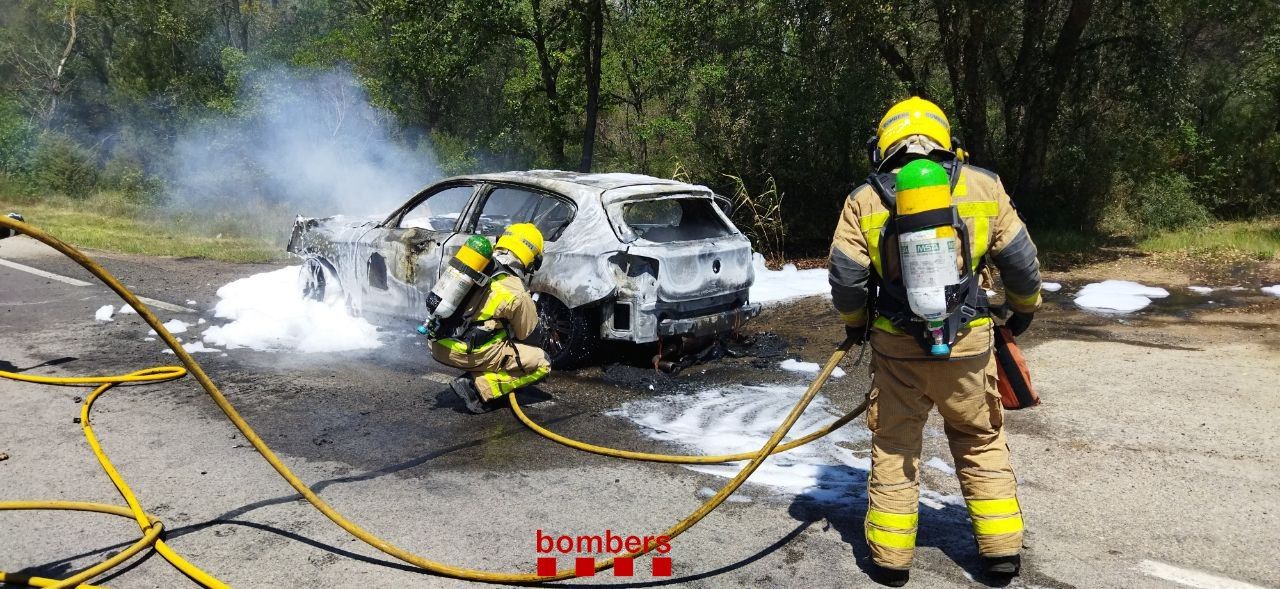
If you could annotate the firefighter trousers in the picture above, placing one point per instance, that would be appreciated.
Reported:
(964, 390)
(499, 369)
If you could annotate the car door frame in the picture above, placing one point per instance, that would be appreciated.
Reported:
(395, 300)
(397, 216)
(482, 196)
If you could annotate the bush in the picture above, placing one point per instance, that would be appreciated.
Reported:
(124, 174)
(1163, 202)
(15, 138)
(61, 165)
(1168, 202)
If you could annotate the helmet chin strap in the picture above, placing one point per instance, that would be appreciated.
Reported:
(510, 264)
(913, 145)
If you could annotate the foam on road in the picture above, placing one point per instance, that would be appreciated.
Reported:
(104, 313)
(1117, 296)
(807, 368)
(739, 418)
(267, 312)
(789, 283)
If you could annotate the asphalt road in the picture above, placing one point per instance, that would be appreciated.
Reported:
(1155, 461)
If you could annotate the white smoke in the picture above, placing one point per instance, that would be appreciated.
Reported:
(309, 141)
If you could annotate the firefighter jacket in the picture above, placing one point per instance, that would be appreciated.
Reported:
(504, 311)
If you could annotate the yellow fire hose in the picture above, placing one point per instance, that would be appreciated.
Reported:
(151, 527)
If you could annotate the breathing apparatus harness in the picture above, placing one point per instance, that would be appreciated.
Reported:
(463, 326)
(888, 298)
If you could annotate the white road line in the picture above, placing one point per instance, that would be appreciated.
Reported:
(167, 306)
(77, 282)
(43, 274)
(1191, 578)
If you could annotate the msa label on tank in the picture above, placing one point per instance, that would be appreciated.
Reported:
(928, 261)
(934, 246)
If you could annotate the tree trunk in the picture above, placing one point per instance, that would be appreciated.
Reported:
(976, 88)
(593, 43)
(554, 136)
(243, 20)
(1042, 111)
(56, 88)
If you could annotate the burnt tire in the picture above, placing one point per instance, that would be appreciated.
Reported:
(570, 336)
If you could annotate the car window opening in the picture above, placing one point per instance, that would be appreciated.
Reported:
(440, 211)
(507, 206)
(674, 219)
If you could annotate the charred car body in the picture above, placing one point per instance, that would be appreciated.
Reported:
(628, 257)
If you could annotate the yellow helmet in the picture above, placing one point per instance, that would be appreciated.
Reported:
(525, 241)
(913, 116)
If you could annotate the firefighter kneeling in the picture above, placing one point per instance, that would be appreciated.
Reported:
(485, 336)
(5, 232)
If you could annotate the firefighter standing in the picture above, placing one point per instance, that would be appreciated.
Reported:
(907, 379)
(486, 340)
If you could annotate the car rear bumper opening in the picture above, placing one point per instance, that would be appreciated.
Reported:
(709, 324)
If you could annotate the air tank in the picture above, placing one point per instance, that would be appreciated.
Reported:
(460, 275)
(928, 255)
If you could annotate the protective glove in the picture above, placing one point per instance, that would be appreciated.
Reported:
(1019, 322)
(856, 333)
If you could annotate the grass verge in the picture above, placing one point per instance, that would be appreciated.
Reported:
(106, 222)
(1257, 239)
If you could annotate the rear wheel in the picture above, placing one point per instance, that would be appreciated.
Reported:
(570, 335)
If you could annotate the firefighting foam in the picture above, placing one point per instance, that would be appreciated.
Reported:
(267, 312)
(728, 419)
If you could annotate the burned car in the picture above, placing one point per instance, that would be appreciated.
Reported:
(628, 257)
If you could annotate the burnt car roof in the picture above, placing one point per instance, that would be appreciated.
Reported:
(580, 184)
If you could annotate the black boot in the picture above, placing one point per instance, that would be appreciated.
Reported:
(887, 576)
(1002, 566)
(466, 390)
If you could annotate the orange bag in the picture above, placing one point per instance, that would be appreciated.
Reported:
(1016, 391)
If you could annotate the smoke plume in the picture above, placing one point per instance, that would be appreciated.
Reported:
(310, 142)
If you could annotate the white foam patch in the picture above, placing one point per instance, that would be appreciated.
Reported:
(809, 368)
(176, 326)
(194, 348)
(267, 312)
(1050, 286)
(1117, 296)
(707, 493)
(1204, 290)
(104, 313)
(936, 500)
(939, 464)
(190, 302)
(125, 309)
(775, 286)
(1273, 290)
(741, 418)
